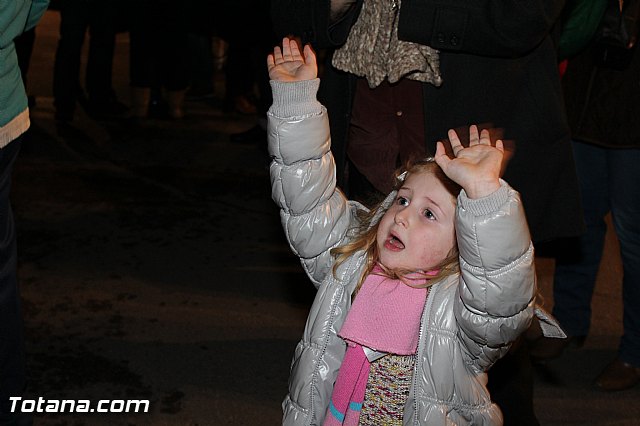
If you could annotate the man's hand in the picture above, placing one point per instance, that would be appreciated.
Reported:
(475, 168)
(288, 65)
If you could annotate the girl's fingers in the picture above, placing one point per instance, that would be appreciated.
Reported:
(286, 49)
(485, 138)
(453, 137)
(456, 146)
(295, 50)
(441, 156)
(270, 61)
(474, 138)
(277, 55)
(500, 145)
(309, 54)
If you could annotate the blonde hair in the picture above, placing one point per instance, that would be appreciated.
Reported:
(365, 237)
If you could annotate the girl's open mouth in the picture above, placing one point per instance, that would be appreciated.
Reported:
(393, 243)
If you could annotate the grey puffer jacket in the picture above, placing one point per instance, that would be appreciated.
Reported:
(469, 319)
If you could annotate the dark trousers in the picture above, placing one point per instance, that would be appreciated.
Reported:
(76, 16)
(608, 183)
(12, 362)
(201, 62)
(159, 55)
(249, 45)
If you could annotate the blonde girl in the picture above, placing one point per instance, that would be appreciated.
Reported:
(416, 298)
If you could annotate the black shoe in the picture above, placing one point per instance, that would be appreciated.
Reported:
(255, 135)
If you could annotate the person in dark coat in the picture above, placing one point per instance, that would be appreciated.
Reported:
(603, 109)
(509, 46)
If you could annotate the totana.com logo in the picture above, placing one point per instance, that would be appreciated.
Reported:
(42, 405)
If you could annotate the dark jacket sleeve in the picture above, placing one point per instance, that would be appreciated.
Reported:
(504, 28)
(309, 20)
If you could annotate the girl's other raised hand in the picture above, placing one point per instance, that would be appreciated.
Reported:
(287, 64)
(476, 168)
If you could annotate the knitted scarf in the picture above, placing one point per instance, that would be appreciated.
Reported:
(372, 49)
(385, 317)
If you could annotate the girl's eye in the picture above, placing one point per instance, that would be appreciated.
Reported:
(429, 214)
(402, 201)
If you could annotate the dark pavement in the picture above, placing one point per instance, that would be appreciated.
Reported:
(153, 266)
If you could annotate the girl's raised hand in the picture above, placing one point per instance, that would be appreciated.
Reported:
(287, 64)
(477, 167)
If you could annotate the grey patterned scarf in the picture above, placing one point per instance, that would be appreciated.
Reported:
(373, 50)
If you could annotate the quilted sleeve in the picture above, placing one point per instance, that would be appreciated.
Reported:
(315, 215)
(496, 294)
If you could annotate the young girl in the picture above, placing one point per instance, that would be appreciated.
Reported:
(418, 297)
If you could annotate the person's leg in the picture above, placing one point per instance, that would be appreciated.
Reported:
(624, 371)
(66, 84)
(239, 78)
(175, 59)
(576, 269)
(12, 357)
(625, 207)
(102, 31)
(200, 66)
(141, 51)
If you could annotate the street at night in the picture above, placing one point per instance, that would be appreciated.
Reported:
(152, 265)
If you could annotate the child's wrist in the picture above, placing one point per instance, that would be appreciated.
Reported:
(481, 189)
(295, 98)
(485, 205)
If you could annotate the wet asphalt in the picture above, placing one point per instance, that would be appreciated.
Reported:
(152, 266)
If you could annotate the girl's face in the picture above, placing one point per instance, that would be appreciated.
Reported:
(417, 232)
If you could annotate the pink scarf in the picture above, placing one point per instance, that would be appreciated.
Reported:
(385, 317)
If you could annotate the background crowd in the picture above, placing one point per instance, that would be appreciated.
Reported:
(574, 137)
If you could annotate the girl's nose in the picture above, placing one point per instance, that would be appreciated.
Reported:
(401, 218)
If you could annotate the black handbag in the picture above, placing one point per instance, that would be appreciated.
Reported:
(617, 36)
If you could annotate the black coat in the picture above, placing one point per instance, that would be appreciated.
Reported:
(499, 68)
(603, 104)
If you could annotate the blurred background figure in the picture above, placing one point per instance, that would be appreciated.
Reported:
(201, 64)
(99, 17)
(602, 90)
(159, 58)
(203, 20)
(15, 17)
(249, 33)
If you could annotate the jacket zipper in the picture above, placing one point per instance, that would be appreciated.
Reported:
(312, 411)
(425, 315)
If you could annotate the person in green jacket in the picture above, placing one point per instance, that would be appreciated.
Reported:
(16, 16)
